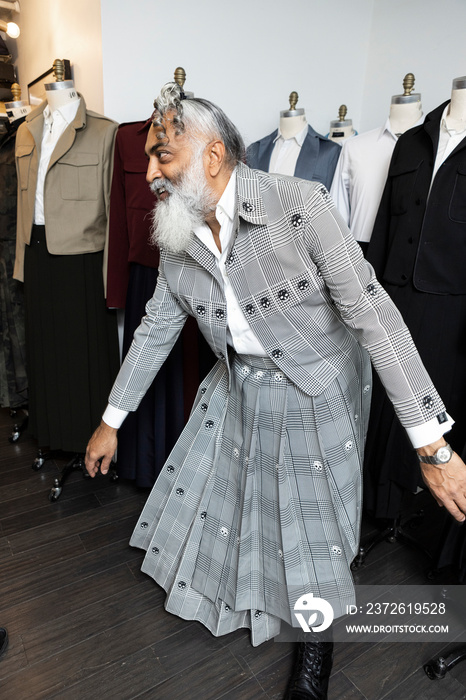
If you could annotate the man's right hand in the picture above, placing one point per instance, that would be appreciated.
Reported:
(101, 448)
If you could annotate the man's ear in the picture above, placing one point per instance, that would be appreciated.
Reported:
(215, 156)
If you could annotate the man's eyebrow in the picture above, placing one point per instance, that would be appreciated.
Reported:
(156, 147)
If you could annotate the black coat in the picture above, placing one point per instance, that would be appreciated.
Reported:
(416, 237)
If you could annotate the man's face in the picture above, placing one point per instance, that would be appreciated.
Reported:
(168, 157)
(177, 175)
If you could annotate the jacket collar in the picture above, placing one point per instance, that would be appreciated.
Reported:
(35, 120)
(249, 206)
(249, 201)
(432, 124)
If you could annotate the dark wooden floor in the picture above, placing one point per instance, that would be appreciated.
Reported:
(84, 623)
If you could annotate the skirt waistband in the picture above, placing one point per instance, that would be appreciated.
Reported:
(257, 362)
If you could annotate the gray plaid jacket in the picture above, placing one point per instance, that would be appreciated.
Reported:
(305, 288)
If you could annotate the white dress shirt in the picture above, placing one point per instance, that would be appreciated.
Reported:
(448, 141)
(55, 124)
(360, 178)
(286, 153)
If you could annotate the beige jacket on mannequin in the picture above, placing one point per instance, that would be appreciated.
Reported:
(77, 184)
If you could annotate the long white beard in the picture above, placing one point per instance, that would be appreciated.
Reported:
(190, 200)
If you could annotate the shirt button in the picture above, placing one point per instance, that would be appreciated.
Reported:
(366, 388)
(144, 526)
(224, 531)
(155, 550)
(277, 354)
(179, 492)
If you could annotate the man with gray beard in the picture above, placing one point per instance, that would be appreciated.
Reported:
(259, 504)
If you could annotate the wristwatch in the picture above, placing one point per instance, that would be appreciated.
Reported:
(442, 456)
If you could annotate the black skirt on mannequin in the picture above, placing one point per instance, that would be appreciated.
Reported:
(438, 326)
(71, 345)
(148, 434)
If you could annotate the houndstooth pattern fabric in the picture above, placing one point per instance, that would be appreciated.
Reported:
(260, 500)
(305, 288)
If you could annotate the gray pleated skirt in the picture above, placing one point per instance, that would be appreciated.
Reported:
(260, 500)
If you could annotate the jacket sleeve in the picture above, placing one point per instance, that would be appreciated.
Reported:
(152, 343)
(118, 239)
(365, 308)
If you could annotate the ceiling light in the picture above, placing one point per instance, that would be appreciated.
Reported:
(10, 28)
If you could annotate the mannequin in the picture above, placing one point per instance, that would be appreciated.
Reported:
(456, 115)
(341, 129)
(13, 378)
(292, 120)
(405, 109)
(452, 549)
(418, 254)
(63, 157)
(295, 148)
(363, 165)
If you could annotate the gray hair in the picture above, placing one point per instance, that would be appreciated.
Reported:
(199, 116)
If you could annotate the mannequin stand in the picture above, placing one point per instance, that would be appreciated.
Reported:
(75, 463)
(395, 532)
(436, 669)
(18, 427)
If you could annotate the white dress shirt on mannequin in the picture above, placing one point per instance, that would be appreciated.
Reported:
(55, 124)
(286, 152)
(360, 177)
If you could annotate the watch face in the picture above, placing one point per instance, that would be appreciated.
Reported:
(443, 454)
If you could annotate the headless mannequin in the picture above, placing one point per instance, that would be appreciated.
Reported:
(292, 125)
(456, 117)
(342, 128)
(404, 115)
(60, 93)
(292, 120)
(406, 109)
(17, 110)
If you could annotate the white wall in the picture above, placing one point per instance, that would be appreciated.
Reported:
(245, 55)
(248, 55)
(424, 37)
(53, 29)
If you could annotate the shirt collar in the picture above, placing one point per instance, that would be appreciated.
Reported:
(444, 125)
(299, 137)
(66, 112)
(388, 129)
(226, 203)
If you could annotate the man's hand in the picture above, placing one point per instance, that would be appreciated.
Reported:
(447, 482)
(101, 448)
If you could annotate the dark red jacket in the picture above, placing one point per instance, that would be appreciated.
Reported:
(131, 204)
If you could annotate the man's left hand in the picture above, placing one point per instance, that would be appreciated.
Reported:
(447, 483)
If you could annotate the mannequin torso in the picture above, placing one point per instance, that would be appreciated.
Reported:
(456, 117)
(404, 115)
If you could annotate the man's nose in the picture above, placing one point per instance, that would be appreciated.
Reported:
(153, 172)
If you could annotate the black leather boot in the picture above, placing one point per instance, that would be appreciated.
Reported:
(311, 673)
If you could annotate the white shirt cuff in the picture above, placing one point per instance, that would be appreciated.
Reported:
(429, 432)
(114, 417)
